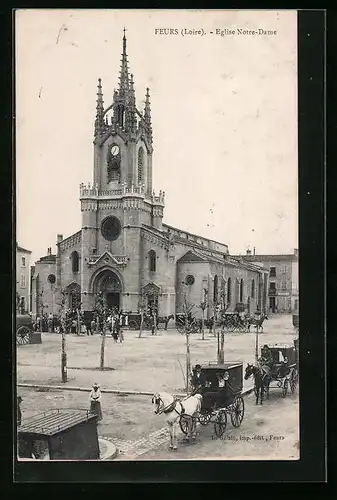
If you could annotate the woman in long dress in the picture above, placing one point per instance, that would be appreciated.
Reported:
(95, 401)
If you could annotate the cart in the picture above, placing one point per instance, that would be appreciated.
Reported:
(24, 330)
(232, 401)
(284, 373)
(59, 435)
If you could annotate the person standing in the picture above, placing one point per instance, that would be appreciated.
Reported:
(95, 401)
(19, 414)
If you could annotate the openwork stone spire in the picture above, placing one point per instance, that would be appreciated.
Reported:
(99, 121)
(131, 108)
(147, 114)
(124, 72)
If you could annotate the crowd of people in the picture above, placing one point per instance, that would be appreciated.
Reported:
(74, 321)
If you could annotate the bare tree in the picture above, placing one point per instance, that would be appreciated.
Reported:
(187, 308)
(101, 312)
(63, 338)
(203, 306)
(41, 308)
(142, 309)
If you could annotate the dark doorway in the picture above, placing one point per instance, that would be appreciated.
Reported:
(112, 299)
(272, 304)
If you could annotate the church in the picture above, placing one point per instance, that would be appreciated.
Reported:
(123, 248)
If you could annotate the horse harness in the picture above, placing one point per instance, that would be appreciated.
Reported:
(172, 407)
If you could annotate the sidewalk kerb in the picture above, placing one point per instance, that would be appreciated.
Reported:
(108, 391)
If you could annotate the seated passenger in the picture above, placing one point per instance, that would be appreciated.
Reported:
(198, 380)
(266, 360)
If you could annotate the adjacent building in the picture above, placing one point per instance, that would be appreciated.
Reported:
(283, 291)
(22, 279)
(123, 248)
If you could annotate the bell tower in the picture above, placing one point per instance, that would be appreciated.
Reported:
(123, 137)
(121, 196)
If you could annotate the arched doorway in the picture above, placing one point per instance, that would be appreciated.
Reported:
(109, 283)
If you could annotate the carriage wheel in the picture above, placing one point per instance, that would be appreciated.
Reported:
(204, 418)
(180, 329)
(22, 335)
(183, 422)
(285, 388)
(238, 412)
(220, 423)
(133, 325)
(293, 381)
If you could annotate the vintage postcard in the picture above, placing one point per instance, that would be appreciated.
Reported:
(157, 242)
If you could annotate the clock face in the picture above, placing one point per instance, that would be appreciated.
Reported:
(114, 150)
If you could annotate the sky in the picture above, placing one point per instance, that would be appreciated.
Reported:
(224, 117)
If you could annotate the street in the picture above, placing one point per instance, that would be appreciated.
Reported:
(150, 364)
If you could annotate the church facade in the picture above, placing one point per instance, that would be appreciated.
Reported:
(123, 248)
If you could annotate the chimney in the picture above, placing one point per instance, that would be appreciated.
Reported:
(59, 238)
(248, 251)
(254, 251)
(49, 251)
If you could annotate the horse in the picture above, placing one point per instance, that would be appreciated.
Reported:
(258, 323)
(261, 381)
(165, 320)
(173, 409)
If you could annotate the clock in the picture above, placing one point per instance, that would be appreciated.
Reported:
(115, 150)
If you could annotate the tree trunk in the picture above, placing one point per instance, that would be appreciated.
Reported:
(63, 356)
(102, 348)
(155, 324)
(188, 362)
(214, 330)
(141, 324)
(257, 344)
(218, 351)
(203, 324)
(222, 347)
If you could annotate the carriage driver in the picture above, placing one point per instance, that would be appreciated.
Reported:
(266, 360)
(198, 380)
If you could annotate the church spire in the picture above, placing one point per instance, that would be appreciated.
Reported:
(124, 71)
(147, 114)
(99, 122)
(132, 121)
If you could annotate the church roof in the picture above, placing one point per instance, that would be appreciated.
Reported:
(21, 249)
(47, 259)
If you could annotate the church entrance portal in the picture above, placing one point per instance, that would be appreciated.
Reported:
(112, 299)
(109, 283)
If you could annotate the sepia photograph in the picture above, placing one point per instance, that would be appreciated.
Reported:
(157, 254)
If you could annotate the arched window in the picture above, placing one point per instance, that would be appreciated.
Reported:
(140, 165)
(120, 115)
(152, 260)
(241, 290)
(253, 289)
(75, 262)
(215, 289)
(229, 290)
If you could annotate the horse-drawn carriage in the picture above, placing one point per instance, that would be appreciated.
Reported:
(24, 330)
(219, 399)
(134, 321)
(283, 371)
(234, 322)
